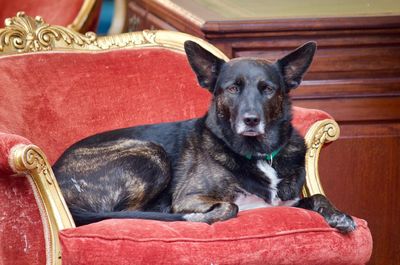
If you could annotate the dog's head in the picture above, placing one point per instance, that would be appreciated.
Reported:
(250, 95)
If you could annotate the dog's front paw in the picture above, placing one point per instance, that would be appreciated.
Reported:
(342, 222)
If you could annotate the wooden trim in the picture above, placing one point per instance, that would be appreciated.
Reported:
(301, 24)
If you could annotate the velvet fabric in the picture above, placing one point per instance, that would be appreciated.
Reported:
(54, 12)
(279, 235)
(21, 230)
(304, 118)
(8, 141)
(55, 99)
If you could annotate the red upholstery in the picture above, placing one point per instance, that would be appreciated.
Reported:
(21, 231)
(54, 99)
(304, 118)
(279, 235)
(54, 12)
(7, 141)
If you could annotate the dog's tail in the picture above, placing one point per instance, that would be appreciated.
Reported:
(82, 217)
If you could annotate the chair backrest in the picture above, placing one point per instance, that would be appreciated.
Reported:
(54, 99)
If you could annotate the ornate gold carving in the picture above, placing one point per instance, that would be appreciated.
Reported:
(30, 160)
(319, 133)
(23, 33)
(146, 37)
(326, 133)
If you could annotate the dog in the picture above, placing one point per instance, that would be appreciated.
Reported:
(243, 153)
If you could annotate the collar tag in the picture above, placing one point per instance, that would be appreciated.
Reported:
(248, 156)
(268, 157)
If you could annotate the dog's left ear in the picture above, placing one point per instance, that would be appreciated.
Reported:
(294, 65)
(205, 64)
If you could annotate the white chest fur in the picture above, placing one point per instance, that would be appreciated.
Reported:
(247, 201)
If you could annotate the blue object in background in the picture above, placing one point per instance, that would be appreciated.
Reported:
(106, 15)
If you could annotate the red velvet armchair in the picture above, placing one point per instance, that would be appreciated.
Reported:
(60, 86)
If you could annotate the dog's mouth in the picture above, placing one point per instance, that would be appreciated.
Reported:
(251, 133)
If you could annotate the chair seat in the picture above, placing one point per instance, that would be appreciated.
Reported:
(279, 235)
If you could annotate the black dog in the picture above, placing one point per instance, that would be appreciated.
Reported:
(243, 153)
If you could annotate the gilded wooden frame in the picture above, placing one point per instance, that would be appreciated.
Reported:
(31, 161)
(24, 34)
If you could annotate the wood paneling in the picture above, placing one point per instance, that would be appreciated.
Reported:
(360, 173)
(355, 77)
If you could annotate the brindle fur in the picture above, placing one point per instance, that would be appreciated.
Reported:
(195, 169)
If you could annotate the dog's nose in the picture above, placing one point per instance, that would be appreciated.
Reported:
(251, 120)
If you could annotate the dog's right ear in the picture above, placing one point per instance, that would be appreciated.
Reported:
(205, 64)
(294, 65)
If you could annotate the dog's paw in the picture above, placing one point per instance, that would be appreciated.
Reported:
(342, 222)
(195, 217)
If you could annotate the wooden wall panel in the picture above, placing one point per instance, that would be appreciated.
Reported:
(360, 175)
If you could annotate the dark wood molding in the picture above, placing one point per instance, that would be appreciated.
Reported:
(302, 24)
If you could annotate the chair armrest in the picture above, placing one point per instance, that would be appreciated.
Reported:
(318, 128)
(7, 142)
(19, 157)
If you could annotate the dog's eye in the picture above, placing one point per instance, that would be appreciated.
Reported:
(233, 89)
(264, 88)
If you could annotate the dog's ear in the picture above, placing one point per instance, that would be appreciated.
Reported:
(294, 65)
(205, 64)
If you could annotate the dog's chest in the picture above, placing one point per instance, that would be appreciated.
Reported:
(246, 201)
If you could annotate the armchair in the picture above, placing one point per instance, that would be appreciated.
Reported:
(58, 86)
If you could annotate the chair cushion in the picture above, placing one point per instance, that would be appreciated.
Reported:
(279, 235)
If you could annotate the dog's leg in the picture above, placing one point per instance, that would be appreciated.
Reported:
(208, 210)
(145, 173)
(335, 218)
(113, 179)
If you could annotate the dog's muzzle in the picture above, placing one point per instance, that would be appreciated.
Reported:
(250, 125)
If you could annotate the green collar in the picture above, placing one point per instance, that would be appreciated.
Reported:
(267, 157)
